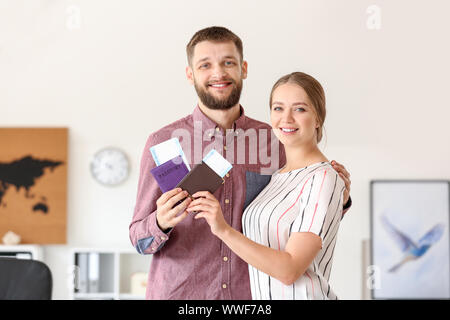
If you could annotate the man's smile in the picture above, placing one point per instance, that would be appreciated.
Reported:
(220, 85)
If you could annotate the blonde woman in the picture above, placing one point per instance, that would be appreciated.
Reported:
(290, 228)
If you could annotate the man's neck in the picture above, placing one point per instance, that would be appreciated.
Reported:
(223, 118)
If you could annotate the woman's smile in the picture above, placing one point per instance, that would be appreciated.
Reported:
(288, 131)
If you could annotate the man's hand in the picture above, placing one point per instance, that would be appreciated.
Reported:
(166, 215)
(345, 175)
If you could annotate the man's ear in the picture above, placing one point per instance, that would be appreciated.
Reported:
(190, 75)
(244, 69)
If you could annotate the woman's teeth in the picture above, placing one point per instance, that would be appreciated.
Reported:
(288, 130)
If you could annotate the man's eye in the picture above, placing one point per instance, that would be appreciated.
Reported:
(205, 65)
(229, 63)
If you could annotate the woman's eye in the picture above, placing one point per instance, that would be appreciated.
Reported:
(300, 109)
(276, 108)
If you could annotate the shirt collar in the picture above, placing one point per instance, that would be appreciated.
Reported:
(208, 124)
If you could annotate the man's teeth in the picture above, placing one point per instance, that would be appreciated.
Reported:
(219, 85)
(288, 130)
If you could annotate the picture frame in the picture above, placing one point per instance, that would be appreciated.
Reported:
(33, 184)
(410, 251)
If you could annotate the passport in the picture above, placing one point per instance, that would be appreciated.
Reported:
(205, 176)
(170, 173)
(201, 178)
(168, 150)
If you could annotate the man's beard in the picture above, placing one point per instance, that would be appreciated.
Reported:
(216, 103)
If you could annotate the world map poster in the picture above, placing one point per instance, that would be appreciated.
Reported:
(33, 184)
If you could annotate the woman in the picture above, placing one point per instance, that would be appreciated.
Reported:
(290, 228)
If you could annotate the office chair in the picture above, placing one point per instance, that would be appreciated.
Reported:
(24, 280)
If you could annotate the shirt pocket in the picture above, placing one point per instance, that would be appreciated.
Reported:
(255, 183)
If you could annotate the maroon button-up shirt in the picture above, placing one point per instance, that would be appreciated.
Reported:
(189, 262)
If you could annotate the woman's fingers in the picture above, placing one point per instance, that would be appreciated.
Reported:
(199, 215)
(203, 201)
(199, 207)
(205, 194)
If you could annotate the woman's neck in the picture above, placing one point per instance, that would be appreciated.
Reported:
(299, 157)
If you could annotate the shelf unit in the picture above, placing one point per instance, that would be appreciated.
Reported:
(112, 275)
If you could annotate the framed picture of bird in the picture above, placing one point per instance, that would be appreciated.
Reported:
(410, 252)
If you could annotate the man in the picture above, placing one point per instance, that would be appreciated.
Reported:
(188, 261)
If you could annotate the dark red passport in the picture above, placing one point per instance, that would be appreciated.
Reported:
(201, 178)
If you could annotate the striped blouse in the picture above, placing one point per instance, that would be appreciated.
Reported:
(303, 200)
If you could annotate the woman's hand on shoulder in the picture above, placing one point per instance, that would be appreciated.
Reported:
(208, 207)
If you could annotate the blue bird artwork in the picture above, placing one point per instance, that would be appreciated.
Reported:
(412, 251)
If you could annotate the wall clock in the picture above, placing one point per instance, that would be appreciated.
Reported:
(110, 166)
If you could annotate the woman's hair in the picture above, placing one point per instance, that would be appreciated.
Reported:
(314, 91)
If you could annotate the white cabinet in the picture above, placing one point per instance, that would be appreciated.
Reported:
(34, 252)
(107, 273)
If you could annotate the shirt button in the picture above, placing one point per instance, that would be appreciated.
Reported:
(224, 148)
(228, 175)
(217, 129)
(227, 201)
(225, 259)
(163, 238)
(224, 286)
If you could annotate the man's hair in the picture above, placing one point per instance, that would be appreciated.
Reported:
(214, 34)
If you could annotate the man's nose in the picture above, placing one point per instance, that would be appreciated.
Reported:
(219, 71)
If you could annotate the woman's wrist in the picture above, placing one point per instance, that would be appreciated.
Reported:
(224, 232)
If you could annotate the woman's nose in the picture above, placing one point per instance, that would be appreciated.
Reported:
(287, 116)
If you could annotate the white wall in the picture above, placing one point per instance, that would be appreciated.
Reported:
(113, 80)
